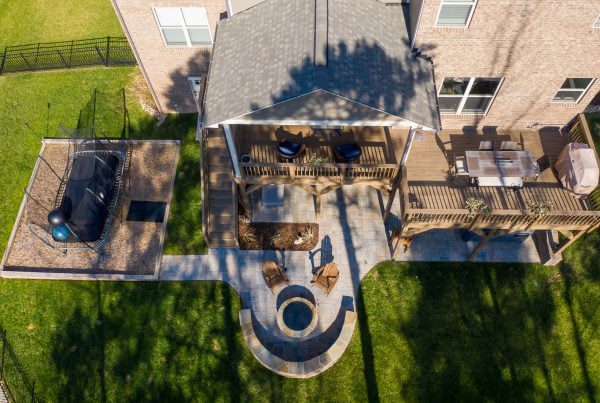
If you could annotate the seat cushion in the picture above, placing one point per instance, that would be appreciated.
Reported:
(289, 148)
(348, 151)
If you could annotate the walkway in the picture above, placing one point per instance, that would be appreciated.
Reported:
(3, 398)
(351, 233)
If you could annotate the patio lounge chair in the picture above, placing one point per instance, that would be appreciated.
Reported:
(326, 277)
(274, 275)
(288, 150)
(347, 152)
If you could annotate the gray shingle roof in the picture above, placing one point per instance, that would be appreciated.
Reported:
(265, 55)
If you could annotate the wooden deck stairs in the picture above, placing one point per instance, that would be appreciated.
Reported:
(221, 213)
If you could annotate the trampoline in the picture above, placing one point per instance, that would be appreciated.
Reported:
(86, 200)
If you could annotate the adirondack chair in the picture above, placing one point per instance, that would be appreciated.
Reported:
(274, 275)
(326, 277)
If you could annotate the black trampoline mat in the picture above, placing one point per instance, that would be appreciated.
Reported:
(148, 211)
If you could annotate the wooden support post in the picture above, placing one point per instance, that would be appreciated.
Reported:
(317, 198)
(392, 194)
(254, 188)
(232, 151)
(568, 242)
(481, 244)
(474, 222)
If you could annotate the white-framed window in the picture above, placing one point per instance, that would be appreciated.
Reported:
(597, 23)
(455, 13)
(183, 26)
(572, 90)
(467, 95)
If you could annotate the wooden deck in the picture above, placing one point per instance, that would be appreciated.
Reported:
(432, 197)
(432, 157)
(381, 152)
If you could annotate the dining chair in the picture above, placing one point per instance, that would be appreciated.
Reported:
(486, 145)
(508, 146)
(460, 164)
(536, 166)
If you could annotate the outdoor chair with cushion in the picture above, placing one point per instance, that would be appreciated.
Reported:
(274, 275)
(326, 277)
(347, 152)
(486, 145)
(289, 150)
(460, 164)
(508, 146)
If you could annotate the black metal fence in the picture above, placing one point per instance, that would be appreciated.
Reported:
(106, 51)
(15, 382)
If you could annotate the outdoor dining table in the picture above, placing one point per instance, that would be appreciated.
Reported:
(500, 168)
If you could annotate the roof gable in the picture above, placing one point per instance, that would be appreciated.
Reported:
(319, 107)
(266, 55)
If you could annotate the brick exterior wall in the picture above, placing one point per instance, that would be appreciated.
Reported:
(533, 44)
(167, 68)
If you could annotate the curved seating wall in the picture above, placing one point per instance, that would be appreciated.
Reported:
(328, 354)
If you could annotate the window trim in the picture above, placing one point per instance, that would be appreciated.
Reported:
(466, 95)
(596, 23)
(466, 26)
(583, 92)
(183, 27)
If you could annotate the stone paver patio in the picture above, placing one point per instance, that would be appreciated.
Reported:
(352, 234)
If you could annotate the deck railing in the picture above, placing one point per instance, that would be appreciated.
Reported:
(332, 170)
(581, 133)
(501, 219)
(449, 212)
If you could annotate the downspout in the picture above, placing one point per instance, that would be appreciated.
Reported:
(137, 56)
(414, 34)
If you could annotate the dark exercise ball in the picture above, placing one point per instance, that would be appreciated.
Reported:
(57, 217)
(60, 233)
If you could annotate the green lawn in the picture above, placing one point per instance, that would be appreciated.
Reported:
(427, 332)
(594, 122)
(34, 104)
(32, 21)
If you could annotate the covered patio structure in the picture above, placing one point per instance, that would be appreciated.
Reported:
(343, 79)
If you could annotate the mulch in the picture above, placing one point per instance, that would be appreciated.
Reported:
(268, 235)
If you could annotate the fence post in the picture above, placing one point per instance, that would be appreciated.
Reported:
(71, 56)
(37, 55)
(3, 352)
(3, 61)
(107, 61)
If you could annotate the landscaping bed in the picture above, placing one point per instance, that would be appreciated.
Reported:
(269, 235)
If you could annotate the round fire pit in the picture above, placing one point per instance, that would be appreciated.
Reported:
(297, 317)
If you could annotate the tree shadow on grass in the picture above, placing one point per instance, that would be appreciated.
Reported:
(478, 333)
(151, 342)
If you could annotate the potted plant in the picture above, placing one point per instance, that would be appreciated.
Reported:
(476, 206)
(316, 160)
(539, 210)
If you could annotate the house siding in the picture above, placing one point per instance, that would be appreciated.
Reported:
(167, 68)
(534, 45)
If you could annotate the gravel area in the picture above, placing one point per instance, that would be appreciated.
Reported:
(132, 248)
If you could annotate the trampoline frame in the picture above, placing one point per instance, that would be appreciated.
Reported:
(112, 205)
